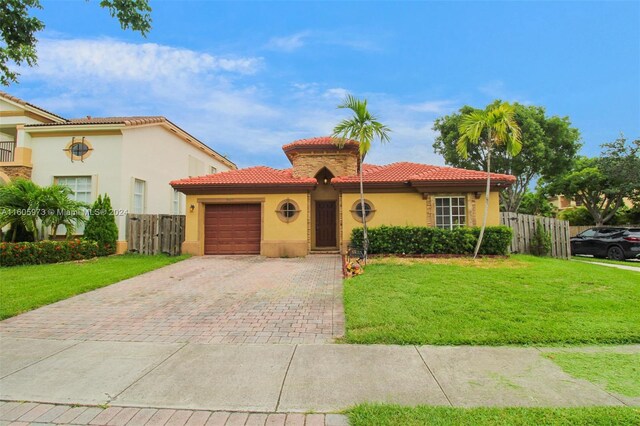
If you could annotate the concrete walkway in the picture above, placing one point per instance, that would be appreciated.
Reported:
(288, 378)
(613, 265)
(36, 414)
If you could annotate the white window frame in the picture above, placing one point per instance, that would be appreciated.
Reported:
(213, 170)
(63, 180)
(141, 195)
(455, 220)
(176, 202)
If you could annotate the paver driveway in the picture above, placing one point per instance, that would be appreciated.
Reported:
(211, 299)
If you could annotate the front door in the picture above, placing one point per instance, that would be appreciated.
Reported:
(326, 224)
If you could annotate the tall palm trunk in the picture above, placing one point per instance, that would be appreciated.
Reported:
(486, 199)
(365, 235)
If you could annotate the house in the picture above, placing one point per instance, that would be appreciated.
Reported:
(313, 206)
(560, 202)
(132, 159)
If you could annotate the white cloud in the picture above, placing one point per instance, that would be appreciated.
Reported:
(437, 107)
(336, 93)
(225, 102)
(110, 59)
(288, 43)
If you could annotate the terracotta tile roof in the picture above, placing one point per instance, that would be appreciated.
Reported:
(415, 172)
(25, 103)
(127, 121)
(319, 142)
(259, 176)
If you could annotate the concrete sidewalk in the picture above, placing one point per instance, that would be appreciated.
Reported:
(288, 378)
(611, 265)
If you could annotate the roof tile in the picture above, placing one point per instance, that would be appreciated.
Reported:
(260, 175)
(415, 172)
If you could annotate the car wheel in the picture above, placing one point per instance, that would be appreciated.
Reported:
(615, 253)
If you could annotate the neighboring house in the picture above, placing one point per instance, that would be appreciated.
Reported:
(132, 159)
(314, 206)
(561, 202)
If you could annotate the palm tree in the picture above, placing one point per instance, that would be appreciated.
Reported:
(492, 127)
(364, 128)
(62, 210)
(20, 203)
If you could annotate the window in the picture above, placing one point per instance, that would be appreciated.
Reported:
(80, 185)
(356, 210)
(176, 204)
(138, 196)
(212, 170)
(82, 191)
(588, 233)
(367, 209)
(288, 211)
(450, 212)
(78, 149)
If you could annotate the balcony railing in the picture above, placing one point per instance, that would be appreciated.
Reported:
(7, 149)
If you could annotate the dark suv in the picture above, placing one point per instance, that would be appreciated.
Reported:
(614, 243)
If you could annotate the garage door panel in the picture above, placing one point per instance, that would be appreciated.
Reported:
(232, 228)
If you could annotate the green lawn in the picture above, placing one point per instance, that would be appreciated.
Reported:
(633, 263)
(616, 372)
(23, 288)
(520, 300)
(381, 415)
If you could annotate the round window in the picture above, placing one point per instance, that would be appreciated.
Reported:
(79, 149)
(367, 209)
(356, 210)
(288, 210)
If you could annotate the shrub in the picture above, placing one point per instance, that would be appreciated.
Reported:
(427, 240)
(540, 241)
(47, 251)
(101, 226)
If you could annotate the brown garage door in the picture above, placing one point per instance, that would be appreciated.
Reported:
(232, 229)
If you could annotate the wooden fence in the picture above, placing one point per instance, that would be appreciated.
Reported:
(523, 226)
(154, 234)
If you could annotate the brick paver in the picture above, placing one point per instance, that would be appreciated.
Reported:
(209, 299)
(131, 416)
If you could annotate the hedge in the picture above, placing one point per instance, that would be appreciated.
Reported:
(48, 251)
(426, 240)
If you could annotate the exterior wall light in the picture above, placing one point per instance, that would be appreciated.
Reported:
(191, 208)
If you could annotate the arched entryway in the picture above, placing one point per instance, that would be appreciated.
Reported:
(324, 213)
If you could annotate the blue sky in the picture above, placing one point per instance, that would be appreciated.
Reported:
(248, 77)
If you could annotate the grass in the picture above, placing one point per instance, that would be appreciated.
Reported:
(616, 372)
(522, 300)
(381, 415)
(23, 288)
(632, 263)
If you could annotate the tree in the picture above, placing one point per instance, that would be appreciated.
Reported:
(19, 28)
(602, 183)
(536, 203)
(60, 209)
(494, 127)
(101, 226)
(20, 205)
(363, 127)
(24, 204)
(550, 145)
